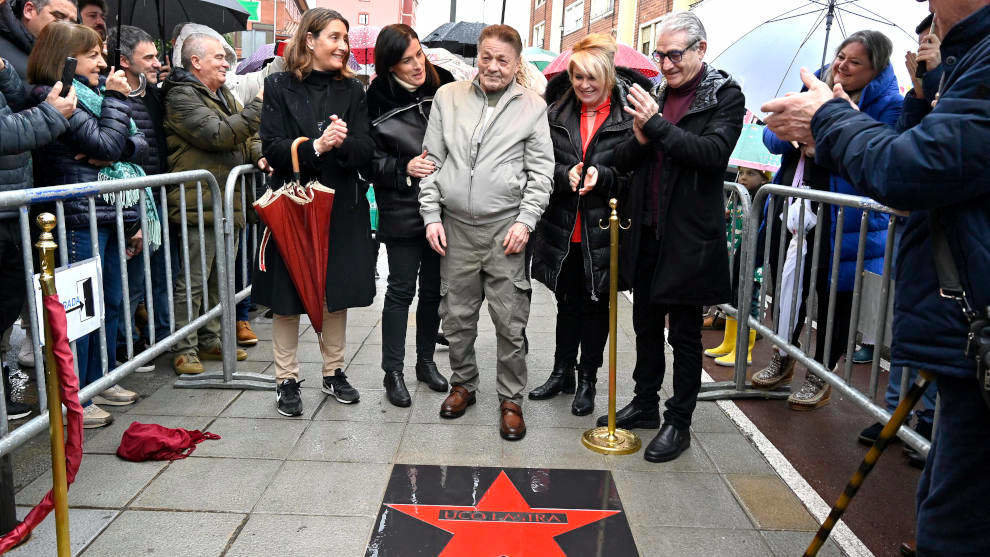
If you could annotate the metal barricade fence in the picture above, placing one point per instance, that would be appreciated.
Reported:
(244, 241)
(770, 306)
(23, 200)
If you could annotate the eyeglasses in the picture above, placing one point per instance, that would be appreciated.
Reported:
(675, 55)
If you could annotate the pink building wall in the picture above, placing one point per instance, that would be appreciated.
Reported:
(380, 12)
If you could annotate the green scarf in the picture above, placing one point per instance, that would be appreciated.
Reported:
(120, 170)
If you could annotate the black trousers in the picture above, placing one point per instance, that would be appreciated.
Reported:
(685, 338)
(581, 321)
(409, 260)
(12, 288)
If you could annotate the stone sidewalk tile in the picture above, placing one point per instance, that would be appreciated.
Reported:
(252, 438)
(732, 453)
(107, 439)
(169, 401)
(91, 488)
(373, 407)
(667, 541)
(349, 442)
(261, 404)
(326, 488)
(451, 444)
(209, 484)
(545, 447)
(690, 500)
(175, 534)
(694, 459)
(770, 503)
(265, 535)
(84, 526)
(709, 418)
(788, 544)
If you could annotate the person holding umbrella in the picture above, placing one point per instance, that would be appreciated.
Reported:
(570, 249)
(317, 97)
(399, 102)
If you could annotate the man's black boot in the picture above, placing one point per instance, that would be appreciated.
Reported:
(634, 416)
(584, 396)
(427, 372)
(561, 380)
(395, 389)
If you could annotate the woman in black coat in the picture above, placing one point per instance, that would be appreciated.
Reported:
(399, 102)
(317, 97)
(570, 251)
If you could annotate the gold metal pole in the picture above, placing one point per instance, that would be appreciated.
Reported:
(46, 250)
(609, 440)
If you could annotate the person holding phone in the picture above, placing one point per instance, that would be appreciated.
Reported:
(101, 143)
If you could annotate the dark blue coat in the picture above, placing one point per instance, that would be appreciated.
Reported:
(941, 163)
(881, 100)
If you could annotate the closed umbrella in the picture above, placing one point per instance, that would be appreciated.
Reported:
(539, 57)
(459, 38)
(625, 56)
(298, 217)
(764, 45)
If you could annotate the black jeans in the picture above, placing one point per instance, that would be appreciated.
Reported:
(685, 338)
(12, 288)
(407, 260)
(581, 321)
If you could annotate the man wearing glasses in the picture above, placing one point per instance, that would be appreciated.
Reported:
(675, 254)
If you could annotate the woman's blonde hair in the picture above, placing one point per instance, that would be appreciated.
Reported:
(299, 58)
(59, 40)
(594, 55)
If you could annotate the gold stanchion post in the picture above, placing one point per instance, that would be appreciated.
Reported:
(609, 440)
(46, 250)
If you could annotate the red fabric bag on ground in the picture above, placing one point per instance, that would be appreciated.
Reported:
(154, 442)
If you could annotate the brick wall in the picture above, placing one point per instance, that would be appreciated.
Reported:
(604, 24)
(649, 10)
(536, 15)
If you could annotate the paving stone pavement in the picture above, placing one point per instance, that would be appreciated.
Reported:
(313, 485)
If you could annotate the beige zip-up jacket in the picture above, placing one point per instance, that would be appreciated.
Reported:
(487, 171)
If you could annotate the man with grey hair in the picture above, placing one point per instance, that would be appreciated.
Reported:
(675, 255)
(205, 127)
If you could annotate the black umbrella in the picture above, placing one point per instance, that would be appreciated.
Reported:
(459, 38)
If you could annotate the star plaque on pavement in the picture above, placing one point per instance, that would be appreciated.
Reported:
(456, 511)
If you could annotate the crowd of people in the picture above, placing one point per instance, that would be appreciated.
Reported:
(483, 185)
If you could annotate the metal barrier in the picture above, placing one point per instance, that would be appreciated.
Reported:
(243, 175)
(24, 199)
(739, 387)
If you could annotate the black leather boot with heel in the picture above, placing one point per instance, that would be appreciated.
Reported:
(561, 380)
(584, 396)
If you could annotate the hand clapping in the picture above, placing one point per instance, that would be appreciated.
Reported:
(643, 108)
(333, 136)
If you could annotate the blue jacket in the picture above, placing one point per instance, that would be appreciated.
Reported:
(940, 163)
(882, 101)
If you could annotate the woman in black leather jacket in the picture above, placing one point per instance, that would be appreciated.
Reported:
(399, 101)
(570, 251)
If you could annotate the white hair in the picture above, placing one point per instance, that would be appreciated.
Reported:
(195, 45)
(684, 21)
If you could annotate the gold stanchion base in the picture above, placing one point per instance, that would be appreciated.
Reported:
(623, 442)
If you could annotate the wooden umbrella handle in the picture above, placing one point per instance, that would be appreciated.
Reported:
(295, 155)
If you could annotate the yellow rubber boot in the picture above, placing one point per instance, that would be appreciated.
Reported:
(728, 340)
(729, 360)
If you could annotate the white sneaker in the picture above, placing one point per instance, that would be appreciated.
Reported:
(116, 396)
(94, 417)
(25, 356)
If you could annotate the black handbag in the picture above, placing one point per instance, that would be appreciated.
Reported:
(950, 287)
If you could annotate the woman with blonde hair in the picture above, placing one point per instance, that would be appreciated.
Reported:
(317, 97)
(589, 129)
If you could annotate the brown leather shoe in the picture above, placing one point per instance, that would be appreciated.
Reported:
(512, 427)
(456, 403)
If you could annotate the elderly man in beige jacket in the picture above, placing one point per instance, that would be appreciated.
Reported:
(489, 142)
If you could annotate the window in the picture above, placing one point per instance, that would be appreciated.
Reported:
(537, 38)
(646, 39)
(540, 3)
(601, 8)
(573, 17)
(363, 18)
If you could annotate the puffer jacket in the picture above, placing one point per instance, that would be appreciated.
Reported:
(105, 137)
(151, 125)
(399, 120)
(487, 173)
(552, 239)
(202, 132)
(938, 164)
(16, 41)
(21, 132)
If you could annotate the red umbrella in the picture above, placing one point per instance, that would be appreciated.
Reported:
(625, 56)
(362, 43)
(298, 217)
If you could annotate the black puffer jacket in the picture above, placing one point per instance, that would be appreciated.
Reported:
(609, 153)
(16, 41)
(103, 138)
(399, 120)
(21, 132)
(148, 113)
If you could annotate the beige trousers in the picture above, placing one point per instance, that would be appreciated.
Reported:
(285, 342)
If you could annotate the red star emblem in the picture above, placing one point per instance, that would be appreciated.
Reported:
(502, 524)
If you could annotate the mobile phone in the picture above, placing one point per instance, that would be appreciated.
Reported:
(68, 74)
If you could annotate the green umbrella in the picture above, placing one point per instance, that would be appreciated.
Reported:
(539, 57)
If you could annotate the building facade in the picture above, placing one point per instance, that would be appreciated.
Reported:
(372, 12)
